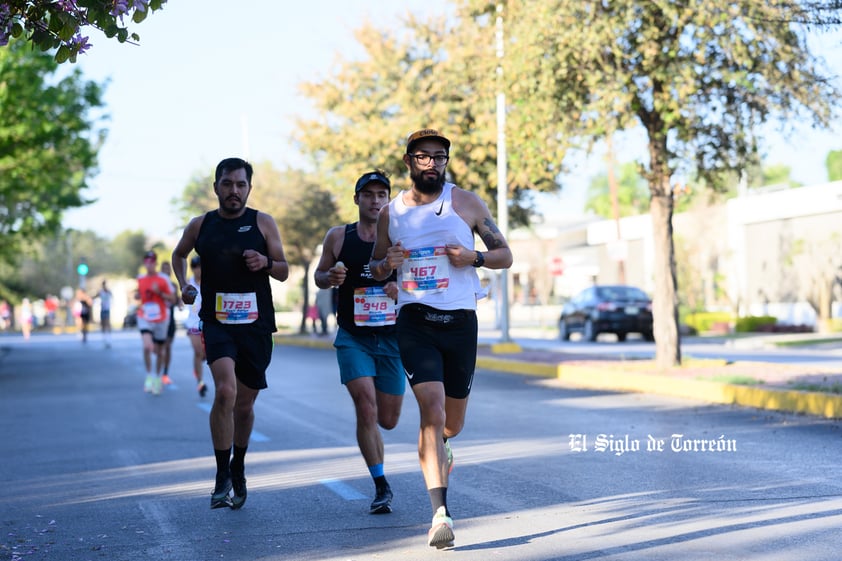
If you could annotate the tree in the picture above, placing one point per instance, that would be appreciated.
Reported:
(58, 24)
(48, 264)
(698, 78)
(198, 196)
(775, 174)
(632, 193)
(126, 251)
(833, 162)
(49, 139)
(304, 211)
(438, 73)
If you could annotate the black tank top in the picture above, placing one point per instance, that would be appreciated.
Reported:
(356, 254)
(220, 244)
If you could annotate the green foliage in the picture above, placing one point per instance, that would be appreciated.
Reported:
(126, 251)
(437, 73)
(632, 193)
(750, 324)
(49, 139)
(303, 209)
(704, 322)
(48, 24)
(777, 174)
(834, 165)
(197, 198)
(46, 265)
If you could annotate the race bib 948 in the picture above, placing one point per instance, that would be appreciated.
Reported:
(372, 307)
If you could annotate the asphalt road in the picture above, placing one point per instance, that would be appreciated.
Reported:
(97, 470)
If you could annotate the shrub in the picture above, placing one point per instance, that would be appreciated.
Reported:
(704, 322)
(750, 324)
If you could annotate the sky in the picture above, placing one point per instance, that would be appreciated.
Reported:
(215, 78)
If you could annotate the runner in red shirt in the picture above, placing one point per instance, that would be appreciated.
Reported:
(153, 314)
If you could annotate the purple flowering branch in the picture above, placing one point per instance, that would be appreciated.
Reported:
(59, 24)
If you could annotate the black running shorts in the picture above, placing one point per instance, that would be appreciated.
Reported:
(438, 346)
(250, 348)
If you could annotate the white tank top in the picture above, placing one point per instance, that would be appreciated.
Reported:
(426, 276)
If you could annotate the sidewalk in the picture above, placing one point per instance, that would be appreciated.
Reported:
(746, 384)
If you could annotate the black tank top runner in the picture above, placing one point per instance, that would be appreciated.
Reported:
(356, 254)
(220, 244)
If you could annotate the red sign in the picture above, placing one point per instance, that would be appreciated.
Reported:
(556, 266)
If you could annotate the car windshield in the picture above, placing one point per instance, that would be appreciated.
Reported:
(621, 293)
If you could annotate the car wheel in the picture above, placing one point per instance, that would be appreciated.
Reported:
(563, 333)
(621, 337)
(589, 334)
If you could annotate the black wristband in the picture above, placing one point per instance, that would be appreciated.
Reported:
(480, 260)
(268, 266)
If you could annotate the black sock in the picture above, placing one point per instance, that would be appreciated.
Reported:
(438, 497)
(238, 462)
(222, 459)
(380, 482)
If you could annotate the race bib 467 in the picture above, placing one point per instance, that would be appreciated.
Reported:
(425, 269)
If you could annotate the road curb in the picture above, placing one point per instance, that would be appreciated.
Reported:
(617, 379)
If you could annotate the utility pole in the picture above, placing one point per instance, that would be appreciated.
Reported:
(502, 179)
(615, 208)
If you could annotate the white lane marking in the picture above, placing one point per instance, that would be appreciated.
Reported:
(342, 489)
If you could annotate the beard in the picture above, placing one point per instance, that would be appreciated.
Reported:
(426, 185)
(231, 205)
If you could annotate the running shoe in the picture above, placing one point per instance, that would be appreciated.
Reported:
(449, 453)
(220, 498)
(149, 384)
(238, 480)
(382, 503)
(165, 379)
(441, 532)
(202, 389)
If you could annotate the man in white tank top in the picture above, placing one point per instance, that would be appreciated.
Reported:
(426, 234)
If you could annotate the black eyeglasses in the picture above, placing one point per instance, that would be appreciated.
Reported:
(424, 159)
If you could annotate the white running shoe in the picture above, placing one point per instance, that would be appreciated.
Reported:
(441, 531)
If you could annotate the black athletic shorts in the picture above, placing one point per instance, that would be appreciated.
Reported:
(250, 348)
(438, 346)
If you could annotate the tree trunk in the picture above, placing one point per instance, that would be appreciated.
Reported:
(825, 307)
(305, 291)
(665, 299)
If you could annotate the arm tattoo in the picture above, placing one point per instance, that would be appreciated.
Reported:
(491, 236)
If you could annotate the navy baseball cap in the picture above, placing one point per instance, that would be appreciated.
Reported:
(371, 176)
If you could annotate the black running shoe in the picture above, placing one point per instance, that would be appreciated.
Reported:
(238, 480)
(382, 503)
(220, 498)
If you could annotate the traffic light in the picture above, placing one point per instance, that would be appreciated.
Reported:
(82, 270)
